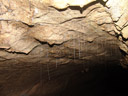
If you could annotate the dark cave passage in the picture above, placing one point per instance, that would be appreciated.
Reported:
(63, 47)
(106, 81)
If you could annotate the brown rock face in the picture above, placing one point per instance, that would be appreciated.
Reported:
(48, 47)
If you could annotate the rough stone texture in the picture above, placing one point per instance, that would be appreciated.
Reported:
(61, 4)
(117, 8)
(14, 37)
(16, 10)
(125, 32)
(118, 12)
(25, 10)
(46, 44)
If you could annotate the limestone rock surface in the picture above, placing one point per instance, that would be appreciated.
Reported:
(46, 44)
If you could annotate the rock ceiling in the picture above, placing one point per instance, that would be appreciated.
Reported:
(17, 16)
(45, 34)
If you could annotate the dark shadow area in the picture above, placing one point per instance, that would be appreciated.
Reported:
(101, 2)
(108, 81)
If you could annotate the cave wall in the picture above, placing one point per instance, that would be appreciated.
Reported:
(24, 21)
(118, 12)
(47, 42)
(28, 13)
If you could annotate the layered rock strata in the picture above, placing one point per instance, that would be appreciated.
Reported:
(55, 40)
